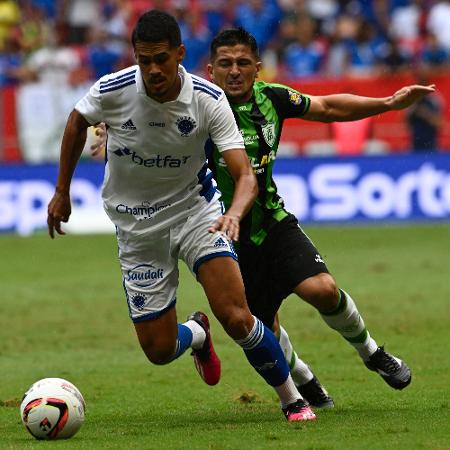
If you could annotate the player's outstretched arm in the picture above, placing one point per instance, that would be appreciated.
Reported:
(245, 192)
(74, 138)
(348, 107)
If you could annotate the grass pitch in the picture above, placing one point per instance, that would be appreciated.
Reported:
(63, 314)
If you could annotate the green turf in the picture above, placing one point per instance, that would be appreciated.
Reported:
(63, 313)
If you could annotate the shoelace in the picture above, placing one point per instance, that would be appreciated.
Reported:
(390, 365)
(296, 407)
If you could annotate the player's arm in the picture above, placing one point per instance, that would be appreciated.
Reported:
(348, 107)
(74, 138)
(245, 192)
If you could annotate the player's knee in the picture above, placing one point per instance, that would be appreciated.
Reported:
(236, 321)
(322, 292)
(329, 291)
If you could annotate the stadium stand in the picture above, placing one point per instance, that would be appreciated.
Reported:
(318, 47)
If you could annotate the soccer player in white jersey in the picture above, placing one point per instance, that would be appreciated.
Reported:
(160, 195)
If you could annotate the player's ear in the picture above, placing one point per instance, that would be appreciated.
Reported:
(258, 68)
(210, 69)
(180, 53)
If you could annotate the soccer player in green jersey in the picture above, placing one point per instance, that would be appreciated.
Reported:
(276, 257)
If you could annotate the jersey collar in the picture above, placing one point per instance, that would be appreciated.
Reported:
(187, 88)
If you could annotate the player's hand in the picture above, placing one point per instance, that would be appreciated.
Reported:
(228, 225)
(408, 95)
(99, 143)
(59, 210)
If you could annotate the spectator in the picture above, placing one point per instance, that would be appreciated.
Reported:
(260, 18)
(438, 23)
(196, 38)
(11, 62)
(338, 56)
(393, 58)
(33, 28)
(49, 8)
(9, 17)
(101, 56)
(305, 56)
(114, 22)
(434, 54)
(54, 63)
(406, 27)
(425, 118)
(219, 14)
(80, 16)
(365, 49)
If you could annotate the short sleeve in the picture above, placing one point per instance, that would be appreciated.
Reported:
(223, 129)
(90, 105)
(289, 102)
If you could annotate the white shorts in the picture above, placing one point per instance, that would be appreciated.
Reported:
(149, 262)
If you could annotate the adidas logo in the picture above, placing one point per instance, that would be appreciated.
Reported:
(220, 243)
(122, 151)
(128, 125)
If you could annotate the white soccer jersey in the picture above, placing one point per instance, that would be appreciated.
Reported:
(156, 169)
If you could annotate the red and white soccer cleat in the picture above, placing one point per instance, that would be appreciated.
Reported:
(206, 360)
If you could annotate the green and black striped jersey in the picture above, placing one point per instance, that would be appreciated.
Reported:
(260, 122)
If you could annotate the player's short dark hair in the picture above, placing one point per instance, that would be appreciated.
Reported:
(156, 26)
(231, 37)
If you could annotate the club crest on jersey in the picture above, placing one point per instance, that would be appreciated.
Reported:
(185, 125)
(295, 98)
(268, 131)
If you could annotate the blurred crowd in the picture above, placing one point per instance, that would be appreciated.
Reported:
(73, 41)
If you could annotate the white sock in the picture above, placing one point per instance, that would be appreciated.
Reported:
(198, 333)
(300, 371)
(287, 392)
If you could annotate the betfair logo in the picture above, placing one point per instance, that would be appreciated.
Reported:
(160, 161)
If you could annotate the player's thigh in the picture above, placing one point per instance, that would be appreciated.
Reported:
(292, 256)
(222, 283)
(196, 243)
(149, 266)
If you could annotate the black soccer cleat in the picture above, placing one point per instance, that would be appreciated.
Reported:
(393, 370)
(315, 394)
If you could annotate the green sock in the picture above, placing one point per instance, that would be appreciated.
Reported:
(347, 321)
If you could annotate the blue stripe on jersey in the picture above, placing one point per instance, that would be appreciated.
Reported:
(117, 82)
(115, 88)
(204, 89)
(205, 179)
(117, 79)
(200, 82)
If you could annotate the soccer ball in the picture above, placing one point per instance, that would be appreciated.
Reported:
(52, 408)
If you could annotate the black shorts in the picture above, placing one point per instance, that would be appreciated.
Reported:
(272, 270)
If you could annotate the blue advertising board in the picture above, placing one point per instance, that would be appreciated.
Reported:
(394, 187)
(317, 190)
